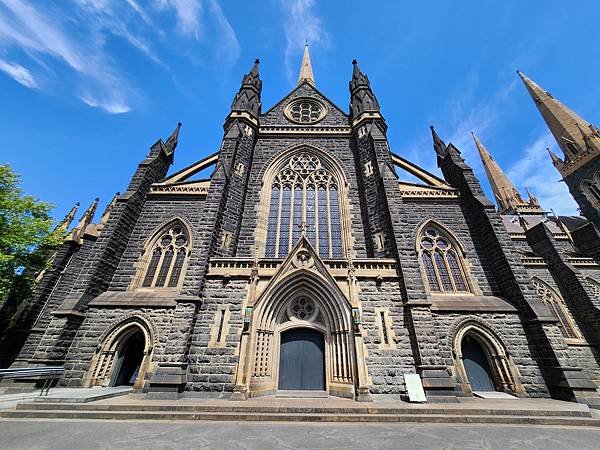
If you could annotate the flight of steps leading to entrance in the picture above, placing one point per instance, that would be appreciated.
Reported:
(429, 414)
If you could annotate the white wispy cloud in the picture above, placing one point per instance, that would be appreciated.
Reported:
(301, 24)
(230, 46)
(19, 73)
(461, 115)
(188, 15)
(534, 170)
(68, 41)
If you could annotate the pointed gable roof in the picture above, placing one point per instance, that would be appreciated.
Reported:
(302, 259)
(274, 116)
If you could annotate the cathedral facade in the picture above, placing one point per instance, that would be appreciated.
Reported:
(304, 262)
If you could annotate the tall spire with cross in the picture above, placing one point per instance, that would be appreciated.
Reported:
(306, 72)
(507, 196)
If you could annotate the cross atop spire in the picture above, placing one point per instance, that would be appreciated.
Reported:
(306, 72)
(507, 196)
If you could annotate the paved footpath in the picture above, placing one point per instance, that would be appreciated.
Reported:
(80, 434)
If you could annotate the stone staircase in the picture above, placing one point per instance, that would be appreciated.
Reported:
(530, 412)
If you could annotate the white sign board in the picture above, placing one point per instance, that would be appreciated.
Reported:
(414, 387)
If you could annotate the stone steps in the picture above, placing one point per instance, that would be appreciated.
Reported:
(287, 410)
(554, 417)
(287, 417)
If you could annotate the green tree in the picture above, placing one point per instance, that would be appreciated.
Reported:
(27, 238)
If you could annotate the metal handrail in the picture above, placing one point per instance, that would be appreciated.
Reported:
(47, 373)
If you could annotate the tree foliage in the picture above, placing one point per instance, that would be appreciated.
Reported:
(26, 237)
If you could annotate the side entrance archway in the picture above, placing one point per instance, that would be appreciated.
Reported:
(124, 357)
(128, 360)
(302, 360)
(482, 362)
(476, 366)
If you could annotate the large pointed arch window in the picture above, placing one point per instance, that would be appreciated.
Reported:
(304, 196)
(558, 308)
(442, 262)
(166, 257)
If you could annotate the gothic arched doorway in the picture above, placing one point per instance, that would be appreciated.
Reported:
(124, 357)
(302, 360)
(129, 360)
(481, 360)
(476, 366)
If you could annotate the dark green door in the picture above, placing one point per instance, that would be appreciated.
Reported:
(476, 366)
(301, 361)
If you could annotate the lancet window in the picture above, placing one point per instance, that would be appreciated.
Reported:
(167, 257)
(558, 308)
(591, 188)
(304, 197)
(442, 262)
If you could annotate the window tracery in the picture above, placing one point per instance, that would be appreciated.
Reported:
(591, 188)
(441, 262)
(167, 258)
(304, 196)
(305, 110)
(558, 308)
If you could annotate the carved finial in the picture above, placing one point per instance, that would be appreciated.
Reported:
(64, 224)
(303, 227)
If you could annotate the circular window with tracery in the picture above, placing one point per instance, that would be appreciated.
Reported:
(305, 110)
(302, 308)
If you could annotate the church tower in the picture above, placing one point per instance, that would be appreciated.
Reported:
(580, 143)
(508, 198)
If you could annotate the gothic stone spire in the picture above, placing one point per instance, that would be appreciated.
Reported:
(363, 102)
(247, 100)
(507, 196)
(578, 139)
(306, 72)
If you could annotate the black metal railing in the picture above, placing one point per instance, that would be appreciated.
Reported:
(48, 374)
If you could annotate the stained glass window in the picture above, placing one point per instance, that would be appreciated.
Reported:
(310, 202)
(323, 225)
(168, 258)
(336, 227)
(441, 262)
(284, 220)
(272, 225)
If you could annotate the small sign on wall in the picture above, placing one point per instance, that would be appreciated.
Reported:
(414, 387)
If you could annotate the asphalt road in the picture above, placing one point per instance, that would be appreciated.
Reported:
(81, 434)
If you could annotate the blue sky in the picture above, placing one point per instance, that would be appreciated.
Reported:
(88, 85)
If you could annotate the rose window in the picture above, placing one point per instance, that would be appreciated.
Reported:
(305, 110)
(302, 308)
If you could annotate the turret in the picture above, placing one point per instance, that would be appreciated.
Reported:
(363, 103)
(246, 103)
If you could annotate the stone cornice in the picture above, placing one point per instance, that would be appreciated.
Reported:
(361, 268)
(191, 188)
(409, 190)
(306, 130)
